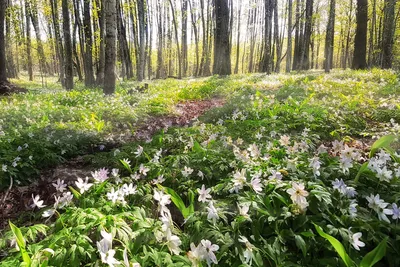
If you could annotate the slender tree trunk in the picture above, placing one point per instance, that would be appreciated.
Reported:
(222, 53)
(184, 53)
(372, 28)
(276, 38)
(304, 63)
(238, 41)
(349, 19)
(360, 41)
(196, 37)
(289, 42)
(160, 60)
(3, 72)
(89, 75)
(388, 34)
(28, 41)
(110, 12)
(69, 83)
(124, 48)
(59, 45)
(35, 22)
(102, 56)
(329, 39)
(10, 66)
(142, 40)
(176, 39)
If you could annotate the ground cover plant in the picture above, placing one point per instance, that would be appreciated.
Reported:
(295, 170)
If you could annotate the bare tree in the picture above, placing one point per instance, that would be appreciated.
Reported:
(222, 53)
(110, 11)
(69, 82)
(360, 41)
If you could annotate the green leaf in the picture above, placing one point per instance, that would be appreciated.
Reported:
(363, 168)
(177, 200)
(76, 194)
(126, 165)
(375, 255)
(336, 245)
(383, 142)
(301, 244)
(21, 244)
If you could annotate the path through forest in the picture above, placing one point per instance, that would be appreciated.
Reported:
(17, 200)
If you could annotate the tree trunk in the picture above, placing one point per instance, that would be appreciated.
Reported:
(89, 75)
(289, 43)
(360, 41)
(306, 40)
(69, 83)
(3, 72)
(265, 64)
(110, 8)
(349, 19)
(176, 39)
(388, 34)
(142, 40)
(102, 56)
(329, 38)
(59, 45)
(184, 53)
(222, 53)
(28, 42)
(35, 22)
(372, 28)
(196, 37)
(238, 41)
(160, 34)
(124, 48)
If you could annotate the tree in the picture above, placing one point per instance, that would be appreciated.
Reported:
(289, 42)
(110, 8)
(69, 82)
(3, 72)
(360, 41)
(88, 60)
(222, 53)
(329, 39)
(141, 64)
(388, 34)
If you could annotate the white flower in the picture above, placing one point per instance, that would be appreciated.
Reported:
(187, 171)
(143, 169)
(160, 179)
(139, 151)
(114, 172)
(353, 208)
(210, 249)
(201, 174)
(100, 175)
(173, 243)
(244, 209)
(212, 212)
(239, 180)
(383, 174)
(316, 165)
(4, 168)
(163, 200)
(196, 254)
(60, 185)
(254, 152)
(129, 189)
(248, 253)
(126, 162)
(284, 140)
(113, 195)
(204, 194)
(37, 202)
(298, 194)
(48, 213)
(105, 249)
(339, 185)
(275, 176)
(379, 206)
(396, 212)
(356, 242)
(83, 185)
(256, 185)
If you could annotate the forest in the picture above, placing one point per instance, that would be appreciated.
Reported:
(180, 133)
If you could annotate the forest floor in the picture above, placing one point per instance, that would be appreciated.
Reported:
(225, 154)
(17, 200)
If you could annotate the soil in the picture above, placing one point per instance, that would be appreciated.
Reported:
(7, 89)
(17, 201)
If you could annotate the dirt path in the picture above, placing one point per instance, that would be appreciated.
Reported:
(18, 200)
